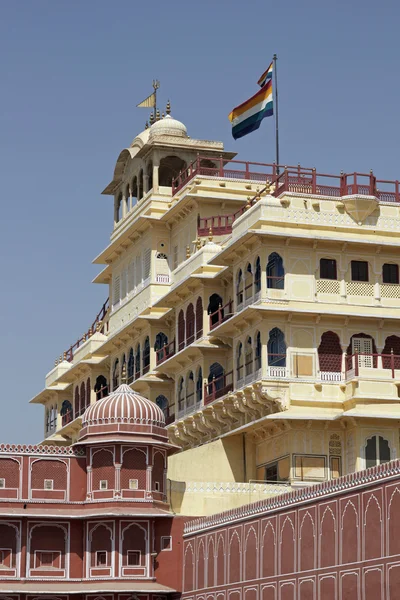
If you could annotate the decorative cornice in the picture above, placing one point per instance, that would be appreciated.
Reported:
(42, 450)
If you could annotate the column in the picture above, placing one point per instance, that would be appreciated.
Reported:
(145, 184)
(149, 480)
(155, 178)
(89, 482)
(115, 210)
(117, 491)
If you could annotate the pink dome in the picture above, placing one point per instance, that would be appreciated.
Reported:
(123, 414)
(124, 406)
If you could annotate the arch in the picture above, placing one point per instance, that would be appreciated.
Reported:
(118, 208)
(103, 468)
(327, 539)
(248, 282)
(190, 324)
(214, 304)
(10, 539)
(220, 561)
(88, 391)
(258, 351)
(234, 558)
(394, 522)
(330, 353)
(377, 451)
(210, 563)
(287, 547)
(188, 569)
(134, 465)
(199, 386)
(169, 169)
(373, 531)
(10, 471)
(162, 402)
(134, 541)
(146, 355)
(180, 394)
(140, 185)
(199, 317)
(268, 551)
(115, 375)
(100, 540)
(54, 469)
(45, 537)
(349, 534)
(158, 473)
(248, 356)
(239, 361)
(134, 191)
(201, 565)
(82, 395)
(190, 390)
(181, 330)
(66, 412)
(76, 402)
(149, 172)
(364, 345)
(275, 272)
(392, 346)
(131, 365)
(276, 348)
(307, 543)
(216, 378)
(137, 361)
(101, 387)
(250, 552)
(257, 275)
(239, 287)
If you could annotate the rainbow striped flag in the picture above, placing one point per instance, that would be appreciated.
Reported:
(266, 75)
(247, 117)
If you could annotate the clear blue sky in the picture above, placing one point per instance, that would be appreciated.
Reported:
(71, 75)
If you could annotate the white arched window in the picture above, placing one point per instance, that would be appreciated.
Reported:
(377, 451)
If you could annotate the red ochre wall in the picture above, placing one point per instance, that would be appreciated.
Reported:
(345, 545)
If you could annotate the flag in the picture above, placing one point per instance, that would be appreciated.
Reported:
(266, 76)
(148, 102)
(247, 117)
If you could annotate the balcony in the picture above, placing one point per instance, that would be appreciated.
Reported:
(218, 387)
(165, 352)
(190, 404)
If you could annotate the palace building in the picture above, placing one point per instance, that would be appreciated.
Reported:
(247, 360)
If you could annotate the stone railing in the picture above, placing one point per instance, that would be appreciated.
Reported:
(47, 450)
(308, 494)
(234, 487)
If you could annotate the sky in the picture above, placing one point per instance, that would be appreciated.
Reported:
(71, 74)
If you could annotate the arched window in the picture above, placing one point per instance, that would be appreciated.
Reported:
(391, 352)
(199, 386)
(214, 309)
(127, 197)
(216, 377)
(329, 354)
(199, 318)
(239, 361)
(137, 362)
(189, 324)
(276, 348)
(82, 398)
(258, 352)
(181, 330)
(162, 402)
(146, 355)
(140, 187)
(239, 287)
(248, 357)
(190, 390)
(115, 378)
(150, 175)
(134, 191)
(169, 169)
(76, 403)
(248, 283)
(88, 390)
(131, 365)
(66, 412)
(377, 451)
(275, 272)
(101, 387)
(48, 411)
(257, 275)
(181, 396)
(364, 346)
(118, 208)
(161, 341)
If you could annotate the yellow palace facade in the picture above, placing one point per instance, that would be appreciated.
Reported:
(257, 306)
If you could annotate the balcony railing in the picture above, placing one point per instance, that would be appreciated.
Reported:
(218, 387)
(291, 179)
(165, 352)
(222, 314)
(97, 325)
(67, 418)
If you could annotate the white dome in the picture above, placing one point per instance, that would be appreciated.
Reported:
(168, 126)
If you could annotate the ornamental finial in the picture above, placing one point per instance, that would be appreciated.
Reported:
(168, 108)
(151, 119)
(123, 373)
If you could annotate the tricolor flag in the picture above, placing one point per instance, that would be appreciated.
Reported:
(266, 76)
(247, 117)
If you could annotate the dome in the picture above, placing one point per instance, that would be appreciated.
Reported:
(122, 413)
(168, 126)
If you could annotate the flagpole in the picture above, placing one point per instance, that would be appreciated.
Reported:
(156, 85)
(276, 115)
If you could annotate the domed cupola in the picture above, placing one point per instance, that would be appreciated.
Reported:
(123, 415)
(167, 126)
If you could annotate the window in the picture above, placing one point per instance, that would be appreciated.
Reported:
(116, 289)
(133, 558)
(157, 486)
(48, 484)
(104, 484)
(101, 558)
(2, 483)
(390, 273)
(5, 557)
(175, 257)
(276, 471)
(377, 451)
(166, 542)
(275, 272)
(309, 467)
(359, 270)
(327, 268)
(45, 559)
(133, 484)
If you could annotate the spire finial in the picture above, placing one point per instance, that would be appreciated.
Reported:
(168, 109)
(146, 125)
(151, 119)
(123, 373)
(157, 115)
